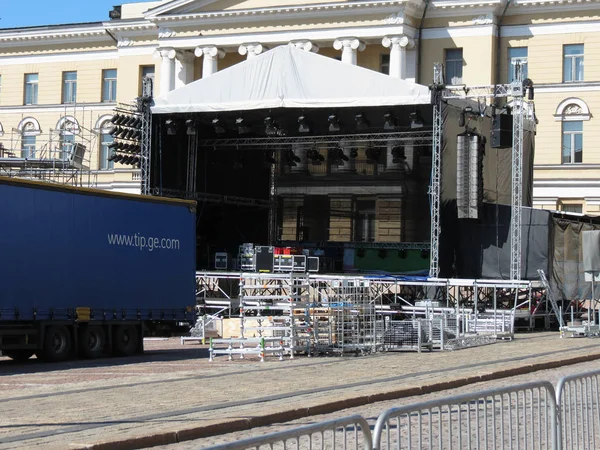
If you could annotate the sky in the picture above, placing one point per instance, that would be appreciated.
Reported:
(19, 13)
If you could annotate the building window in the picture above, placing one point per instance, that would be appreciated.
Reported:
(454, 66)
(69, 87)
(0, 88)
(384, 64)
(31, 88)
(573, 208)
(28, 147)
(67, 142)
(105, 152)
(364, 223)
(573, 63)
(517, 60)
(572, 142)
(109, 85)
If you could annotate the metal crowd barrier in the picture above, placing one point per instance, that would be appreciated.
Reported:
(526, 416)
(347, 433)
(578, 400)
(522, 416)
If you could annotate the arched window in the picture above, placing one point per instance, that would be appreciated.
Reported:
(103, 128)
(29, 129)
(572, 112)
(1, 130)
(68, 128)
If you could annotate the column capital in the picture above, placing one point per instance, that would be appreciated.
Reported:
(209, 51)
(165, 52)
(305, 45)
(252, 49)
(401, 41)
(184, 56)
(349, 42)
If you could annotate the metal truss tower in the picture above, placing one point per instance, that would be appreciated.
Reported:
(144, 103)
(515, 91)
(436, 168)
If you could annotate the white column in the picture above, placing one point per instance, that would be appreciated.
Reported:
(211, 55)
(252, 49)
(350, 47)
(398, 46)
(167, 69)
(184, 68)
(305, 45)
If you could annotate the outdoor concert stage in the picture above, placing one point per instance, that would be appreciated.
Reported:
(292, 148)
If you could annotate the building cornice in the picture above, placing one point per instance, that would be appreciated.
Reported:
(93, 32)
(410, 7)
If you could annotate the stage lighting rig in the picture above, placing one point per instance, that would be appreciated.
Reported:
(338, 157)
(361, 122)
(190, 126)
(389, 122)
(242, 126)
(303, 126)
(171, 127)
(291, 159)
(315, 157)
(354, 153)
(127, 134)
(416, 121)
(271, 128)
(219, 126)
(334, 122)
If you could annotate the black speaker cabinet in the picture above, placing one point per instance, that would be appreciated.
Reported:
(502, 131)
(264, 259)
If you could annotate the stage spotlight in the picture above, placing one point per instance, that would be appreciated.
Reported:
(424, 254)
(416, 121)
(271, 128)
(402, 253)
(334, 123)
(382, 253)
(113, 145)
(373, 154)
(389, 122)
(290, 158)
(237, 164)
(361, 122)
(315, 157)
(190, 127)
(242, 127)
(398, 154)
(171, 127)
(338, 157)
(304, 126)
(219, 126)
(353, 153)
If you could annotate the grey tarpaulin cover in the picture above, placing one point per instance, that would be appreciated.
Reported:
(288, 77)
(591, 250)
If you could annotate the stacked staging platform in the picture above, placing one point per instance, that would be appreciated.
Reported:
(312, 314)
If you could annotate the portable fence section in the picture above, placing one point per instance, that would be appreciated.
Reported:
(578, 401)
(348, 433)
(519, 417)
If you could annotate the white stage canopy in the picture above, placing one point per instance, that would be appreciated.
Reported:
(287, 77)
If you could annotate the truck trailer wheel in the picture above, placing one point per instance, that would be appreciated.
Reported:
(18, 355)
(125, 340)
(92, 341)
(57, 344)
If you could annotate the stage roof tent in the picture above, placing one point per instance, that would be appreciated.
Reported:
(287, 77)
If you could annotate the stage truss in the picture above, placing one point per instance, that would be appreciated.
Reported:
(442, 93)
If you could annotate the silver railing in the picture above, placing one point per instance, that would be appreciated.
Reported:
(578, 402)
(347, 433)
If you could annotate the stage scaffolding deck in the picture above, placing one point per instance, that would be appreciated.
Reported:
(338, 314)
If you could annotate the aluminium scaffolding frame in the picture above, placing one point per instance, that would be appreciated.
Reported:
(441, 92)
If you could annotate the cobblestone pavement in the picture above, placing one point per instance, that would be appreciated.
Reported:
(173, 388)
(372, 411)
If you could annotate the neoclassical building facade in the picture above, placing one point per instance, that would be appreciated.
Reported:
(59, 85)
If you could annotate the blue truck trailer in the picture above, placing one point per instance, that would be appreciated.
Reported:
(83, 272)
